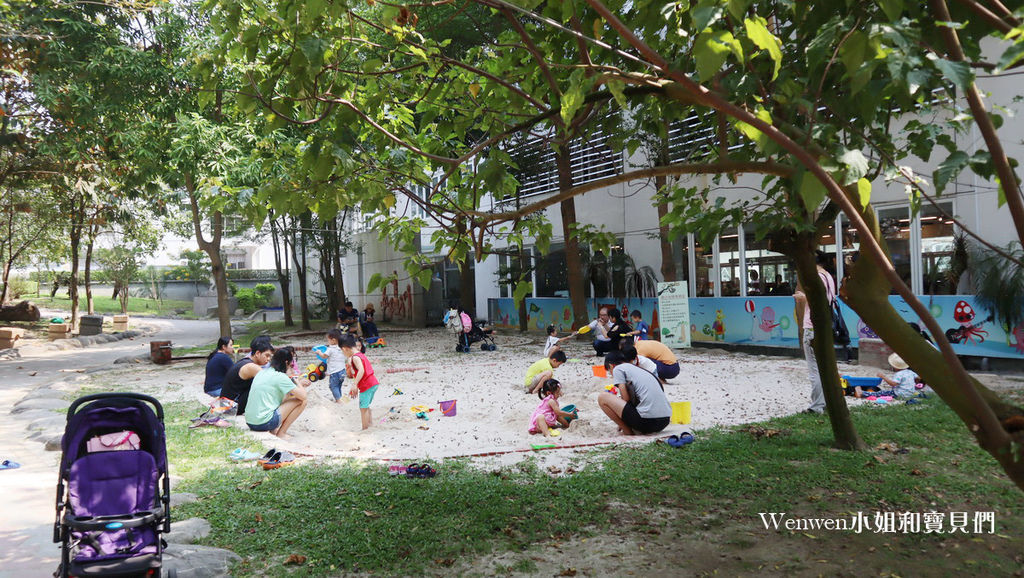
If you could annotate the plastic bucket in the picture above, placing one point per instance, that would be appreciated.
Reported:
(680, 412)
(569, 409)
(447, 407)
(599, 371)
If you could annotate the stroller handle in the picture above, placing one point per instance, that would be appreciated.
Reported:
(117, 395)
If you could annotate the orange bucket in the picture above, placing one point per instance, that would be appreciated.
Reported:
(599, 371)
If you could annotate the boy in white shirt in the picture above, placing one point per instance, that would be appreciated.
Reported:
(335, 364)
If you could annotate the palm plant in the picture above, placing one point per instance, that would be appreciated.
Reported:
(999, 283)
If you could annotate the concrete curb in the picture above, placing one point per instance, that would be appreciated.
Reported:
(77, 342)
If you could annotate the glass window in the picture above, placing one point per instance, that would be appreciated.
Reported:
(895, 226)
(704, 259)
(681, 259)
(937, 249)
(729, 262)
(552, 276)
(768, 272)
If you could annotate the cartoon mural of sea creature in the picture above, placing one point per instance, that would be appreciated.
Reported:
(534, 308)
(864, 331)
(1018, 338)
(719, 325)
(763, 331)
(964, 314)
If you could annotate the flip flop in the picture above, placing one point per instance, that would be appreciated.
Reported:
(678, 441)
(9, 465)
(280, 459)
(267, 456)
(242, 454)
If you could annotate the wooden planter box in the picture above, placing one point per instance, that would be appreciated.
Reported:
(60, 331)
(121, 322)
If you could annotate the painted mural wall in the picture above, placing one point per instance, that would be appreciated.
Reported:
(769, 321)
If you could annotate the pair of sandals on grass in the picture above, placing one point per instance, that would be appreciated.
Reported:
(271, 460)
(678, 441)
(413, 471)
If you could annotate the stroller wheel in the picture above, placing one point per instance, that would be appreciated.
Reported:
(484, 347)
(492, 347)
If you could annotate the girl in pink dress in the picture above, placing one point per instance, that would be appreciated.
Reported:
(548, 415)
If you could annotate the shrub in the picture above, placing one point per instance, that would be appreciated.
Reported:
(246, 300)
(18, 286)
(232, 287)
(265, 291)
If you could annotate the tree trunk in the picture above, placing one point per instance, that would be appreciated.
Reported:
(6, 278)
(339, 279)
(76, 238)
(866, 291)
(300, 270)
(573, 262)
(282, 276)
(843, 431)
(668, 262)
(88, 271)
(212, 249)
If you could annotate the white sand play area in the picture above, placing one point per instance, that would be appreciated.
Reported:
(493, 410)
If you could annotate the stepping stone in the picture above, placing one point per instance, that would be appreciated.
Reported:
(40, 403)
(53, 443)
(180, 498)
(51, 422)
(45, 392)
(193, 561)
(188, 531)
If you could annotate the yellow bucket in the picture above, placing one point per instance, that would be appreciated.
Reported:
(680, 412)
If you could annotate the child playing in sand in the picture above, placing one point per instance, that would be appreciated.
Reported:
(364, 382)
(904, 380)
(542, 370)
(336, 362)
(640, 329)
(548, 415)
(553, 340)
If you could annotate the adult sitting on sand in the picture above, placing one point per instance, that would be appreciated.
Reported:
(277, 398)
(366, 322)
(600, 327)
(668, 364)
(641, 405)
(238, 380)
(218, 363)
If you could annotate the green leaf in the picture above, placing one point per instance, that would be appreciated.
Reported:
(376, 280)
(523, 288)
(1011, 56)
(572, 100)
(864, 192)
(893, 8)
(856, 165)
(959, 73)
(710, 51)
(852, 52)
(949, 169)
(738, 8)
(754, 134)
(705, 14)
(615, 87)
(812, 192)
(313, 49)
(757, 31)
(424, 277)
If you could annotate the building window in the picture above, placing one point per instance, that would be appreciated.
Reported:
(537, 174)
(768, 272)
(552, 272)
(729, 263)
(937, 249)
(895, 226)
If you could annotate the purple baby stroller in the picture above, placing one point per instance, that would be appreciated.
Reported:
(113, 460)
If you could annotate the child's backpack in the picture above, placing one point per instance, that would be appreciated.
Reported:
(454, 323)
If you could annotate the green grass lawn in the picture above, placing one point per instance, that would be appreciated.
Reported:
(105, 305)
(350, 516)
